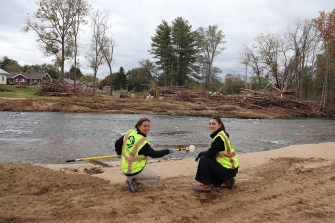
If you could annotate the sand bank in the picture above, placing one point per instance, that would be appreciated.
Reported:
(291, 184)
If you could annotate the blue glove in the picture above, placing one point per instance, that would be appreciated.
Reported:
(170, 150)
(197, 157)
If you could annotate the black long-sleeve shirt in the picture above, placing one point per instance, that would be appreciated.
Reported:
(216, 146)
(146, 150)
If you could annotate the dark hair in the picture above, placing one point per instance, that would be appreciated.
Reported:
(140, 121)
(218, 119)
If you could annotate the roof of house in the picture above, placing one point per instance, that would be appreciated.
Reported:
(89, 84)
(3, 71)
(27, 75)
(12, 75)
(34, 75)
(69, 81)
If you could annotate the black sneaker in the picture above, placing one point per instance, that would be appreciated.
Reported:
(132, 183)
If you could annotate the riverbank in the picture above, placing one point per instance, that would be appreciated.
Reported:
(295, 183)
(222, 106)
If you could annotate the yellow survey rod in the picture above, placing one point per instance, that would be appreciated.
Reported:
(179, 149)
(94, 158)
(189, 149)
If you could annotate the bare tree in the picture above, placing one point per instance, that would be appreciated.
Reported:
(108, 52)
(246, 61)
(53, 24)
(95, 55)
(289, 59)
(250, 57)
(151, 68)
(269, 46)
(80, 13)
(302, 44)
(210, 42)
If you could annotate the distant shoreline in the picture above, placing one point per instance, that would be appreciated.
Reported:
(150, 107)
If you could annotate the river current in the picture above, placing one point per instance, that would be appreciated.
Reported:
(47, 137)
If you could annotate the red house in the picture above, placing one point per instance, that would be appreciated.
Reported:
(28, 79)
(70, 83)
(17, 79)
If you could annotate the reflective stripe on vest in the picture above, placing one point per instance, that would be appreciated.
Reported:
(131, 161)
(227, 158)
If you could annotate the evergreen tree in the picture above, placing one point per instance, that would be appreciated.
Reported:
(175, 49)
(184, 45)
(162, 50)
(120, 80)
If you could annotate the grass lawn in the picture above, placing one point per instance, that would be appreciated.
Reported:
(12, 91)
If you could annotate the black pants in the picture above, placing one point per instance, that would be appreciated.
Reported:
(212, 172)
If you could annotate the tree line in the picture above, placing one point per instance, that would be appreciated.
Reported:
(300, 59)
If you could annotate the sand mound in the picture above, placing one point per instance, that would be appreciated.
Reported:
(281, 190)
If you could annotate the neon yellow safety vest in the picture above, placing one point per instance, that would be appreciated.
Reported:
(131, 162)
(226, 158)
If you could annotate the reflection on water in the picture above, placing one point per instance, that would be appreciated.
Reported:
(55, 137)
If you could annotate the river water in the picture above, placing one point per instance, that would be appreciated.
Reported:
(55, 137)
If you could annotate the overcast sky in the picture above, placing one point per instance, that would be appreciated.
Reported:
(134, 23)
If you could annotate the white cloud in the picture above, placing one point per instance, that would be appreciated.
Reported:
(134, 23)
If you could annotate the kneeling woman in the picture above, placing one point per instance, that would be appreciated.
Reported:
(219, 164)
(135, 149)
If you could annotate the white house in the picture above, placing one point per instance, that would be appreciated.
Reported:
(3, 76)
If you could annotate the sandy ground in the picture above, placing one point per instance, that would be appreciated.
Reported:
(291, 184)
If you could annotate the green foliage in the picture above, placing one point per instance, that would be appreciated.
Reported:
(162, 50)
(233, 84)
(216, 85)
(107, 81)
(70, 74)
(138, 79)
(193, 84)
(10, 65)
(161, 43)
(88, 78)
(45, 68)
(259, 83)
(12, 91)
(120, 79)
(184, 44)
(174, 48)
(52, 71)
